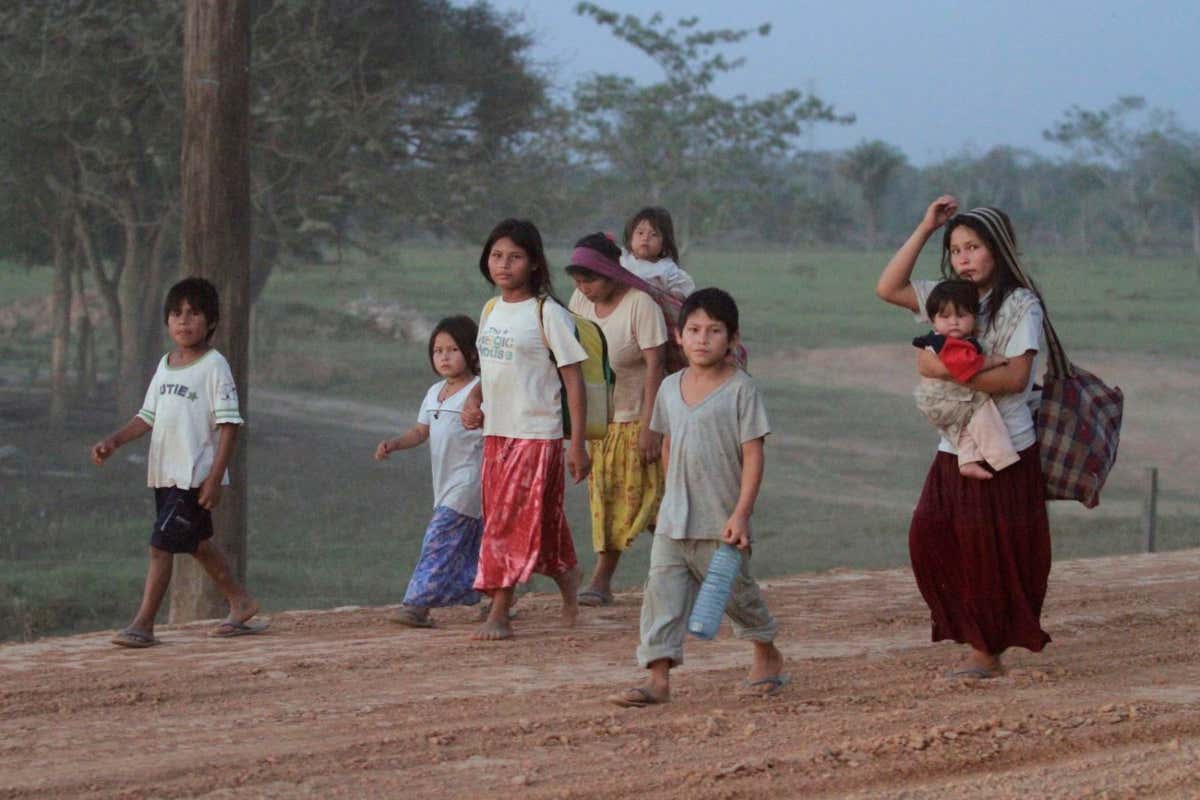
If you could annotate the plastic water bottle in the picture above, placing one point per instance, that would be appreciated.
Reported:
(714, 592)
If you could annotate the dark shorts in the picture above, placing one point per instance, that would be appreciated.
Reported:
(180, 524)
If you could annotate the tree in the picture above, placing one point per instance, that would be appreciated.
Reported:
(89, 105)
(872, 165)
(216, 243)
(352, 135)
(1174, 157)
(1106, 142)
(675, 142)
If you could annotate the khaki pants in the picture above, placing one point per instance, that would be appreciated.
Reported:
(677, 568)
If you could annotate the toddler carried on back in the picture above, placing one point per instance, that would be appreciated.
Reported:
(651, 254)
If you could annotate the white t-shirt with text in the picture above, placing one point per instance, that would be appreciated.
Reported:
(184, 406)
(522, 395)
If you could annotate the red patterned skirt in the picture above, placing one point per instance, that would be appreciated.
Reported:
(524, 527)
(981, 554)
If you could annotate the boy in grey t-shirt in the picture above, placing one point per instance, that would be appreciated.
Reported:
(713, 423)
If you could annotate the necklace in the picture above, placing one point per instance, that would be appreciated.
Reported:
(448, 391)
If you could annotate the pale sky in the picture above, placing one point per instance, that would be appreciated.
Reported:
(930, 76)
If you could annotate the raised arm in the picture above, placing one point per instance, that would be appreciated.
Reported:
(895, 282)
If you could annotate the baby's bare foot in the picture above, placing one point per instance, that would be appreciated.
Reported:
(493, 631)
(974, 469)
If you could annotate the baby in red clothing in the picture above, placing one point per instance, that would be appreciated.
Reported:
(968, 419)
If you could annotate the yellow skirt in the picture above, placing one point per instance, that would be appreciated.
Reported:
(624, 491)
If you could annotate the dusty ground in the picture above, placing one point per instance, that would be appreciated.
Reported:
(344, 704)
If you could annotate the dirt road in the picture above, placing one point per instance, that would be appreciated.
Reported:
(344, 704)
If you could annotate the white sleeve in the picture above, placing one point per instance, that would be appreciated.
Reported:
(560, 335)
(1028, 334)
(922, 288)
(224, 396)
(679, 282)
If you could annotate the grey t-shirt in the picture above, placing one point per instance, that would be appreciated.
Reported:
(704, 475)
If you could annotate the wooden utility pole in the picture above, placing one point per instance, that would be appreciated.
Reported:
(215, 166)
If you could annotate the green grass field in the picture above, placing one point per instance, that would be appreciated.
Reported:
(329, 526)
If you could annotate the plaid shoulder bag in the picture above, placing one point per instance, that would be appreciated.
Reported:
(1078, 427)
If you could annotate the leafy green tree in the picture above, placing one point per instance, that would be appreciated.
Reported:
(1107, 143)
(871, 166)
(368, 117)
(675, 142)
(1174, 158)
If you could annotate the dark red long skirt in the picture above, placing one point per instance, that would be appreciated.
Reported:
(981, 554)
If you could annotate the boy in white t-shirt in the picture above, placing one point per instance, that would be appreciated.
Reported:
(192, 409)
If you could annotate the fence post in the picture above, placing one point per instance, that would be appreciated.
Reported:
(1150, 508)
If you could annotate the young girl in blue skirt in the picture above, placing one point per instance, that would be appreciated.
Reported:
(449, 557)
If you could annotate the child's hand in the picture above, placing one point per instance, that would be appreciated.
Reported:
(650, 445)
(472, 415)
(102, 450)
(382, 452)
(579, 463)
(737, 531)
(210, 492)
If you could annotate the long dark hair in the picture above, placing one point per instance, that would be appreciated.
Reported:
(660, 219)
(463, 331)
(996, 231)
(524, 234)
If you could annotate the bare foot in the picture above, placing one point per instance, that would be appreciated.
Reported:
(978, 665)
(491, 631)
(243, 608)
(568, 586)
(973, 469)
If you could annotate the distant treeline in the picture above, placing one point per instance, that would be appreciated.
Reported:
(382, 120)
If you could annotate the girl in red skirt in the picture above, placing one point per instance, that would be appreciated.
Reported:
(528, 356)
(980, 549)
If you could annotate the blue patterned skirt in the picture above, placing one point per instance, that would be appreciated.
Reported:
(445, 573)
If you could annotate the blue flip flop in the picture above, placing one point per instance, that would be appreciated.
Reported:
(228, 629)
(775, 682)
(135, 639)
(591, 598)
